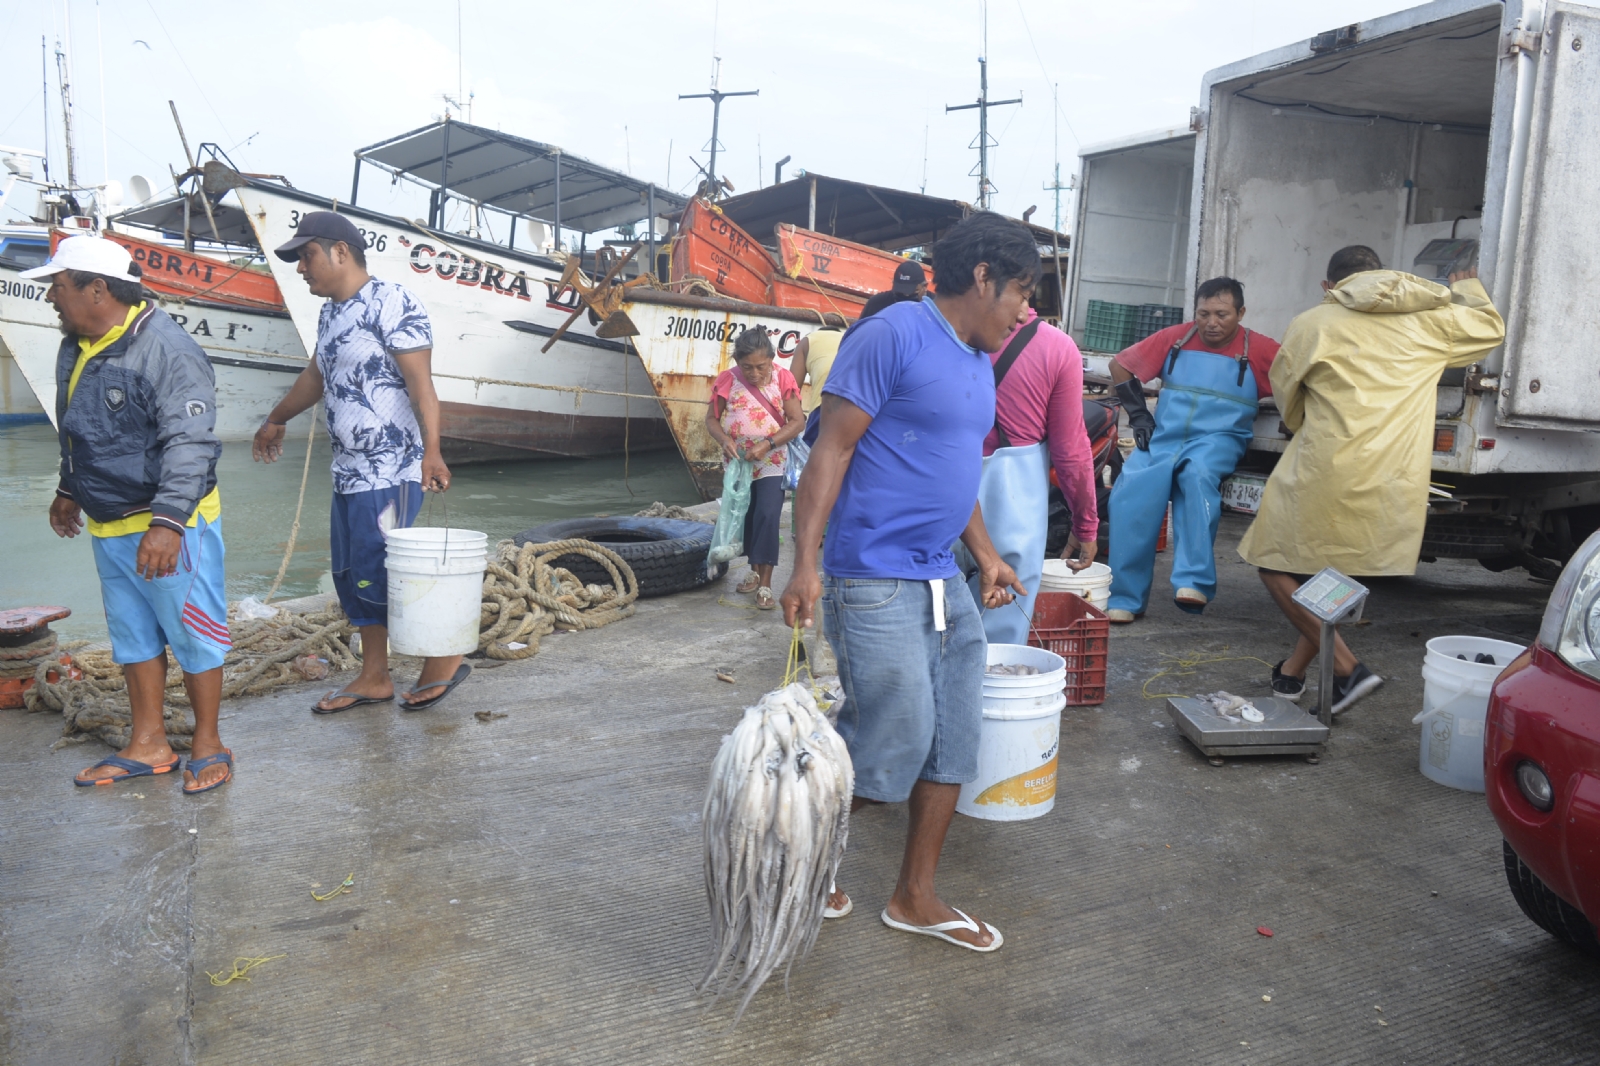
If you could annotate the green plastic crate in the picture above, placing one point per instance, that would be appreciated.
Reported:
(1110, 326)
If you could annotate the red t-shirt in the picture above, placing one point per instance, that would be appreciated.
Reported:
(1145, 359)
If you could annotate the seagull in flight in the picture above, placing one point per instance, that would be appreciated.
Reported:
(146, 44)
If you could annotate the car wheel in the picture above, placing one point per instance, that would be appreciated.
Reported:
(1546, 909)
(667, 555)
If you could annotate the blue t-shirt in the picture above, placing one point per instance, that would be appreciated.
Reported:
(913, 481)
(376, 441)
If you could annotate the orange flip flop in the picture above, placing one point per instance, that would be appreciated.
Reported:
(129, 768)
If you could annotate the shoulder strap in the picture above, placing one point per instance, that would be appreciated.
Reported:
(1172, 353)
(1244, 360)
(760, 397)
(1002, 367)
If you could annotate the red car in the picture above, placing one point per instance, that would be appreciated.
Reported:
(1541, 760)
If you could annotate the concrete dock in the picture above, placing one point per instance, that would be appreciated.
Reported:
(528, 889)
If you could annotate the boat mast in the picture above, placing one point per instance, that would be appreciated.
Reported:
(983, 141)
(716, 96)
(1055, 187)
(64, 73)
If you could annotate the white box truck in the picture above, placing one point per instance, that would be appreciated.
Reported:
(1457, 120)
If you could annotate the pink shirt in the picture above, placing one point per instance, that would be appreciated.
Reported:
(1041, 399)
(1145, 358)
(747, 420)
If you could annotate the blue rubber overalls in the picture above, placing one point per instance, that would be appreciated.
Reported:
(1203, 426)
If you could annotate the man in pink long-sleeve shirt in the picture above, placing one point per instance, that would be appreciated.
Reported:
(1038, 424)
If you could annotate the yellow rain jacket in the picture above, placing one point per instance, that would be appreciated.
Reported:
(1355, 382)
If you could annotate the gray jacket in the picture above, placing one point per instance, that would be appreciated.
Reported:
(140, 431)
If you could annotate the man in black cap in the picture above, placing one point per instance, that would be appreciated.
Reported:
(371, 365)
(910, 283)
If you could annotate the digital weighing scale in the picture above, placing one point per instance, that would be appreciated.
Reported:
(1286, 730)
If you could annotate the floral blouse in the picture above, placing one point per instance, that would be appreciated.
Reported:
(747, 421)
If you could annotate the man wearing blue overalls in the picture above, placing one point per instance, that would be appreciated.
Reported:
(1213, 371)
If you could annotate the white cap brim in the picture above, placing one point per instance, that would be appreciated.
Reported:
(41, 271)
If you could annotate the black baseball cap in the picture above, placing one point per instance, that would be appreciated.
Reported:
(325, 224)
(907, 276)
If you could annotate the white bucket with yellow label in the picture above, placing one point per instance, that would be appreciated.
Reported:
(1018, 744)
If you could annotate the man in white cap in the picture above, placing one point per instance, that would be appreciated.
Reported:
(136, 414)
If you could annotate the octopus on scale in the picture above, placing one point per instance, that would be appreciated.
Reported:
(776, 816)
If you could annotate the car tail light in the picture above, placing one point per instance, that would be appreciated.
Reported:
(1571, 626)
(1535, 786)
(1444, 439)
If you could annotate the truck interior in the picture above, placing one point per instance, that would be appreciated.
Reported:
(1384, 144)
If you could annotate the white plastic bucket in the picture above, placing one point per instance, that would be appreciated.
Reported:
(1093, 584)
(1018, 741)
(435, 590)
(1455, 701)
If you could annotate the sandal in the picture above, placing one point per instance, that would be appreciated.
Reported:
(764, 599)
(129, 768)
(749, 584)
(195, 767)
(449, 685)
(941, 931)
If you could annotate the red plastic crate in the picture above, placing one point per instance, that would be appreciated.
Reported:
(1065, 623)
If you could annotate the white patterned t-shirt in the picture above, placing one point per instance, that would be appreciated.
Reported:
(376, 441)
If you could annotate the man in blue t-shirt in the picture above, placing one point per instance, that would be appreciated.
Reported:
(894, 478)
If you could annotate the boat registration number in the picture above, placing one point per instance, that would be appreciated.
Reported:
(723, 330)
(22, 290)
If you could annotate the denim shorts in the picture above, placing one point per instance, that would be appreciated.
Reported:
(913, 695)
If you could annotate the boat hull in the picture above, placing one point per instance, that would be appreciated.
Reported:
(492, 312)
(710, 245)
(255, 355)
(857, 269)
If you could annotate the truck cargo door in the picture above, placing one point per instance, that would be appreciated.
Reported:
(1552, 370)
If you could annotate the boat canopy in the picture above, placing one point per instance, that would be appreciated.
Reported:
(167, 216)
(518, 176)
(891, 219)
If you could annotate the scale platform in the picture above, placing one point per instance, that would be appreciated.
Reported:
(1287, 729)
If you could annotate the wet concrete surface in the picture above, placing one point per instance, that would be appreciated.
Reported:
(528, 890)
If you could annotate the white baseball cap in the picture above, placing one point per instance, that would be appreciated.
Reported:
(95, 255)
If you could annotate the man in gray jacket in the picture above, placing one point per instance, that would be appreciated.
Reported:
(136, 413)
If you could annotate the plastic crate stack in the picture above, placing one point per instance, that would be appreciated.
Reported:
(1067, 624)
(1110, 326)
(1153, 318)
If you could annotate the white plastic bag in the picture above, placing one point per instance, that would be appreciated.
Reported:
(794, 463)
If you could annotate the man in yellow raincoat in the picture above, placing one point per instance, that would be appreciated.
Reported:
(1355, 382)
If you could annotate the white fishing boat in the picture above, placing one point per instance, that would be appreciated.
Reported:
(253, 347)
(505, 389)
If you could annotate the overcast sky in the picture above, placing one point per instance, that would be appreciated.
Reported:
(853, 90)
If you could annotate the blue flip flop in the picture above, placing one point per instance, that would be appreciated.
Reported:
(131, 768)
(346, 694)
(195, 766)
(462, 673)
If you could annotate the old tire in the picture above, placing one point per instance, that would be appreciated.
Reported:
(667, 555)
(1546, 909)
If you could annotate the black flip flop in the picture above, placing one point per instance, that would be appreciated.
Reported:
(360, 701)
(462, 673)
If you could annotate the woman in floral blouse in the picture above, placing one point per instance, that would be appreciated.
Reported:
(754, 412)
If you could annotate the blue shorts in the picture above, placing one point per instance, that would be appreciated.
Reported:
(913, 695)
(357, 524)
(187, 611)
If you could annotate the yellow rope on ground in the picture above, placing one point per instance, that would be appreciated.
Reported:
(1185, 667)
(344, 886)
(241, 973)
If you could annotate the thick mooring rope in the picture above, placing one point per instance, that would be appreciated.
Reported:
(525, 597)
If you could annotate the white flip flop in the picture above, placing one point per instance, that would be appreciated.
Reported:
(941, 930)
(840, 912)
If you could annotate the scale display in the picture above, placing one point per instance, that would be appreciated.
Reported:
(1332, 597)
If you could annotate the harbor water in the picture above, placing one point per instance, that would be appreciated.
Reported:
(258, 504)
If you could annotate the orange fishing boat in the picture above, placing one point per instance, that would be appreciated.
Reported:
(806, 255)
(188, 276)
(711, 246)
(789, 292)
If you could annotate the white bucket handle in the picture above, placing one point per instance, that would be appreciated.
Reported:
(1453, 694)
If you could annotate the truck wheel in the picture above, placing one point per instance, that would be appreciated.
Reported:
(667, 555)
(1546, 909)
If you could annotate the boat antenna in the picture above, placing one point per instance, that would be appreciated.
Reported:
(924, 189)
(64, 74)
(105, 140)
(983, 142)
(716, 96)
(44, 99)
(1055, 187)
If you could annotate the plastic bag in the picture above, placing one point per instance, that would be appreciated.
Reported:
(794, 463)
(251, 608)
(727, 540)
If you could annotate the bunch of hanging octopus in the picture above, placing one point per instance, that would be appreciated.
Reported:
(776, 817)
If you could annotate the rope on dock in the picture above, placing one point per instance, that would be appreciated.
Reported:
(578, 390)
(525, 598)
